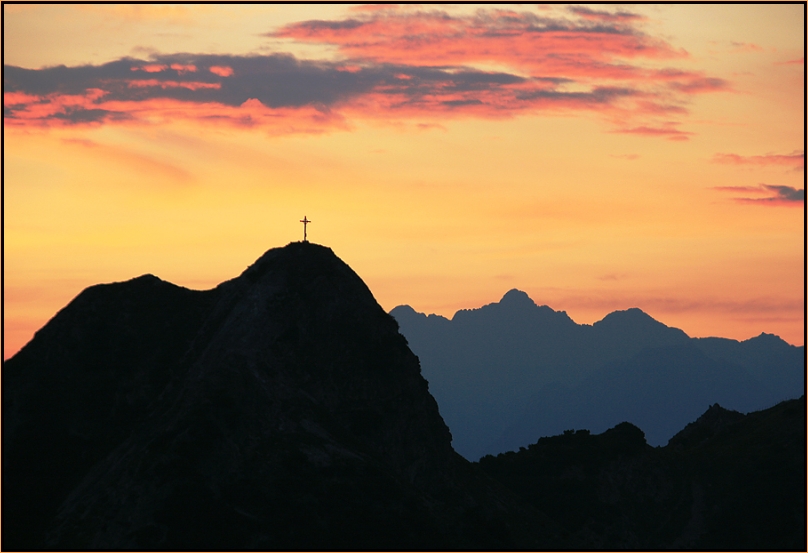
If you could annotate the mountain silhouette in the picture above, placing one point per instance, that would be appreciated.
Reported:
(727, 481)
(512, 371)
(280, 410)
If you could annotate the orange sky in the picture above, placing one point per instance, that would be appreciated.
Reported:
(598, 158)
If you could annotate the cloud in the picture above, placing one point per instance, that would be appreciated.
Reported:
(795, 159)
(666, 131)
(276, 80)
(696, 85)
(599, 15)
(223, 88)
(583, 55)
(784, 193)
(131, 89)
(596, 46)
(746, 47)
(396, 63)
(787, 192)
(766, 194)
(516, 38)
(222, 71)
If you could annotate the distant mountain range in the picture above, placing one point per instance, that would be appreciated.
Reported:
(510, 372)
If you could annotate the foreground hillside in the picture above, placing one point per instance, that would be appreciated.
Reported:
(727, 481)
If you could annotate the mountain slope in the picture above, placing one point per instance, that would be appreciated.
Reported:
(281, 410)
(81, 385)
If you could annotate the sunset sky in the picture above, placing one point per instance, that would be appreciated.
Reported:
(597, 157)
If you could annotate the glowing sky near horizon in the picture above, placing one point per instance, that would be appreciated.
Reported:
(598, 158)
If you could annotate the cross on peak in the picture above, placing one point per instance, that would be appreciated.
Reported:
(305, 222)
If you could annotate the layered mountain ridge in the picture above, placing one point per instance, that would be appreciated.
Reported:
(512, 371)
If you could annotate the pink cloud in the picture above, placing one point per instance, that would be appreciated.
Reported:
(180, 68)
(798, 61)
(222, 71)
(151, 68)
(795, 159)
(596, 49)
(276, 81)
(520, 39)
(19, 98)
(667, 131)
(396, 62)
(54, 107)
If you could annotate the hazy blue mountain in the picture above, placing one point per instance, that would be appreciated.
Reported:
(512, 371)
(767, 357)
(659, 389)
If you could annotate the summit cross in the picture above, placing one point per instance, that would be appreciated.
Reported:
(305, 222)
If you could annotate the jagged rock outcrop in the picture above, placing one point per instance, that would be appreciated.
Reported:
(280, 410)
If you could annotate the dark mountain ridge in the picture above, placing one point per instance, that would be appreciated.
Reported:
(511, 371)
(727, 481)
(280, 410)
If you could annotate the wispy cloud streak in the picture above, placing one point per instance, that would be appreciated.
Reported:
(667, 130)
(795, 159)
(766, 194)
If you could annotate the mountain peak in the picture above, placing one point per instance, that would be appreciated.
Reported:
(630, 314)
(635, 320)
(293, 253)
(517, 297)
(768, 339)
(261, 404)
(713, 421)
(404, 311)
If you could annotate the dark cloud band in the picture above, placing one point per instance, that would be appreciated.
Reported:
(277, 81)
